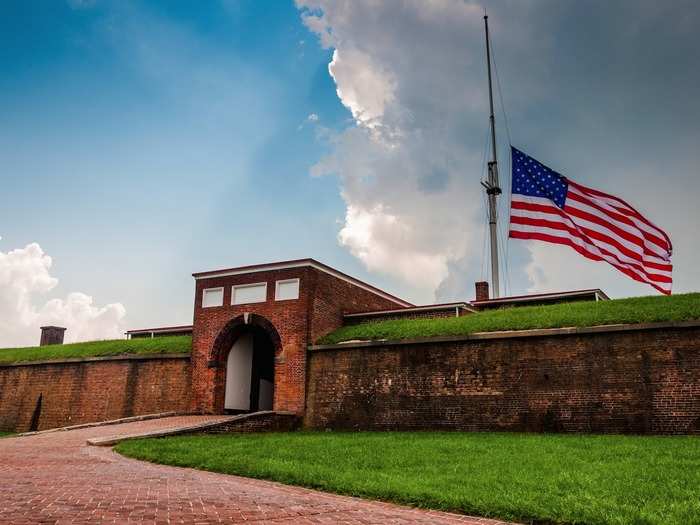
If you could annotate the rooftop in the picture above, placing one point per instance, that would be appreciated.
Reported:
(160, 329)
(594, 293)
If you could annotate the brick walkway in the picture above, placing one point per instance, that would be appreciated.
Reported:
(57, 478)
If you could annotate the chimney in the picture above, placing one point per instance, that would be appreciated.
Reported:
(482, 290)
(51, 335)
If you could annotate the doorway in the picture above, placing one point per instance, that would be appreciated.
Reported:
(250, 372)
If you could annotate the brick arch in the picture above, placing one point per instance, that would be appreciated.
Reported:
(224, 342)
(232, 331)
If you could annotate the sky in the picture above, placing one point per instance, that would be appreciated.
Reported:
(143, 141)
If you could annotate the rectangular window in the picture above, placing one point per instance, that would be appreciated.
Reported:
(249, 293)
(212, 297)
(287, 289)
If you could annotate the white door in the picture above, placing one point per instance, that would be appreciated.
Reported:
(238, 374)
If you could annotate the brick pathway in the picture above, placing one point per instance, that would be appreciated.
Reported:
(57, 478)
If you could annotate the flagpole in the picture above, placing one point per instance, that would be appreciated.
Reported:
(492, 187)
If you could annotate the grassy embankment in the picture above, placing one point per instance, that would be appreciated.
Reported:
(651, 309)
(157, 345)
(588, 479)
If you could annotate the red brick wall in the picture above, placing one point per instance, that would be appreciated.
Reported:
(88, 391)
(644, 381)
(319, 309)
(335, 297)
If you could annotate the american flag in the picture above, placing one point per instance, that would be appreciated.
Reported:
(547, 206)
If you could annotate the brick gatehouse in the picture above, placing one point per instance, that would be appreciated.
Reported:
(252, 327)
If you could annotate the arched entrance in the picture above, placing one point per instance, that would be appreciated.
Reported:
(250, 373)
(244, 355)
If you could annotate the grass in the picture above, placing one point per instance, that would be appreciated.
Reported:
(6, 434)
(681, 307)
(610, 480)
(157, 345)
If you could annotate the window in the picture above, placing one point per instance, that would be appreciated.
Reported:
(287, 289)
(212, 297)
(249, 293)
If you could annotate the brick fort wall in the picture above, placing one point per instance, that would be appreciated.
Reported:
(90, 390)
(631, 379)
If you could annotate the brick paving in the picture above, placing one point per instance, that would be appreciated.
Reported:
(56, 478)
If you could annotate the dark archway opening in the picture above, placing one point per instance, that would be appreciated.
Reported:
(250, 373)
(244, 355)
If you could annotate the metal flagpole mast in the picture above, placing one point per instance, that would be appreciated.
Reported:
(492, 187)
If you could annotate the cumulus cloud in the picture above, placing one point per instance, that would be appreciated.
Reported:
(413, 77)
(364, 87)
(24, 276)
(401, 171)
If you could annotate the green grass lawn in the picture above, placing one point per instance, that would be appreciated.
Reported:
(520, 477)
(5, 434)
(157, 345)
(681, 307)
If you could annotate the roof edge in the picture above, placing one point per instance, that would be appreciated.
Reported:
(162, 329)
(300, 263)
(535, 296)
(419, 308)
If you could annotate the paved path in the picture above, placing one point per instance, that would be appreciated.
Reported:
(56, 478)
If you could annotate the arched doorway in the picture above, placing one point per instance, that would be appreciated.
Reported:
(244, 354)
(250, 373)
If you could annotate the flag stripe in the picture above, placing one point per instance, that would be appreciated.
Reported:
(526, 205)
(591, 251)
(631, 233)
(613, 215)
(625, 208)
(608, 252)
(533, 235)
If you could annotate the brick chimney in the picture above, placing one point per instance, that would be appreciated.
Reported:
(482, 290)
(51, 335)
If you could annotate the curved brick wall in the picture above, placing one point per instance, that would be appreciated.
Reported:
(639, 379)
(95, 389)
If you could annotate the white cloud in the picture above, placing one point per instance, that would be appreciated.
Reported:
(406, 181)
(382, 240)
(24, 275)
(363, 86)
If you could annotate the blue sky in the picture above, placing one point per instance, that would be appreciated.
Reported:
(141, 141)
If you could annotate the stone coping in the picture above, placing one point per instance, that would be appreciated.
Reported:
(122, 357)
(186, 429)
(509, 334)
(130, 419)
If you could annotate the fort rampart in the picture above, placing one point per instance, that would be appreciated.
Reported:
(50, 394)
(612, 379)
(616, 379)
